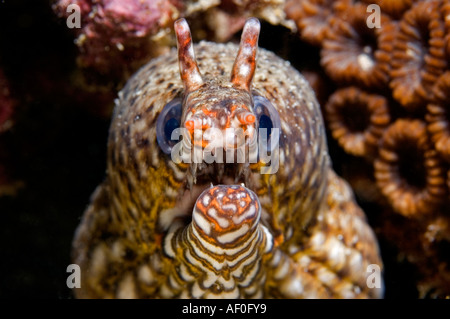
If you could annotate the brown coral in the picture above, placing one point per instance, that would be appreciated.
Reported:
(220, 20)
(448, 179)
(311, 17)
(357, 120)
(409, 196)
(445, 11)
(355, 54)
(438, 116)
(408, 171)
(419, 54)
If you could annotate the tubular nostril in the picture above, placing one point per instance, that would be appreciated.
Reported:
(189, 124)
(246, 118)
(195, 123)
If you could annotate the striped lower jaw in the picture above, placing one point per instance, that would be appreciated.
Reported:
(221, 250)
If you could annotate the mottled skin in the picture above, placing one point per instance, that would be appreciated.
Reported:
(311, 240)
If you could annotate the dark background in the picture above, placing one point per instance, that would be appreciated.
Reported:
(57, 148)
(58, 151)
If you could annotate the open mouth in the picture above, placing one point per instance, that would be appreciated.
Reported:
(203, 176)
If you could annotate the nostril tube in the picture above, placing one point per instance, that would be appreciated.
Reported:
(246, 118)
(189, 124)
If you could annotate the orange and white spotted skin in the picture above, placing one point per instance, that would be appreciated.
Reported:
(159, 228)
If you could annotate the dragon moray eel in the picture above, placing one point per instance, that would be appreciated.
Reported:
(178, 217)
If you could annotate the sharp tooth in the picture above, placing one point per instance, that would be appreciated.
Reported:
(190, 181)
(192, 177)
(220, 171)
(241, 169)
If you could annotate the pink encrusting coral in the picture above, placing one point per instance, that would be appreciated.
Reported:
(7, 186)
(115, 34)
(118, 36)
(6, 104)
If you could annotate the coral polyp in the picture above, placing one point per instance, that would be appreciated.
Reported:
(438, 116)
(357, 120)
(408, 171)
(419, 56)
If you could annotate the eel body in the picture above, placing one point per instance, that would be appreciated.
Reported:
(278, 224)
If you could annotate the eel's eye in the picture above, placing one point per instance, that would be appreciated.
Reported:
(168, 120)
(267, 118)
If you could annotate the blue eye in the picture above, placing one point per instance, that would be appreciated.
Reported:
(266, 122)
(168, 120)
(267, 118)
(171, 124)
